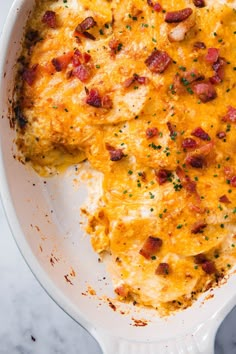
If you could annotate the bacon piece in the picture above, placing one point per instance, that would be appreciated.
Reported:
(29, 74)
(151, 246)
(61, 63)
(181, 82)
(221, 135)
(178, 16)
(115, 46)
(199, 3)
(201, 134)
(200, 258)
(196, 161)
(79, 58)
(224, 199)
(171, 128)
(107, 102)
(178, 33)
(229, 172)
(198, 227)
(86, 24)
(49, 18)
(187, 183)
(189, 143)
(156, 6)
(209, 267)
(205, 91)
(162, 176)
(115, 154)
(230, 115)
(89, 35)
(82, 72)
(128, 82)
(163, 269)
(151, 132)
(196, 209)
(219, 68)
(94, 99)
(233, 181)
(212, 55)
(143, 80)
(158, 61)
(122, 291)
(199, 45)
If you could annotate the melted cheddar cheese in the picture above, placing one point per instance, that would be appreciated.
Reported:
(148, 98)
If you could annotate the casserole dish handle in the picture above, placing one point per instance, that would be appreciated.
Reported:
(200, 340)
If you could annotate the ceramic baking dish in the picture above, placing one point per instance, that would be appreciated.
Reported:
(44, 218)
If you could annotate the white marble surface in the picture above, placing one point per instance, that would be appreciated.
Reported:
(31, 323)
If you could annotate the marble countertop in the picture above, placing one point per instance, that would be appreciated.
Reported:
(31, 323)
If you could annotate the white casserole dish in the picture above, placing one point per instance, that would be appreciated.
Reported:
(44, 219)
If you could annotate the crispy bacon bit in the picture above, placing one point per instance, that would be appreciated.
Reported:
(94, 99)
(189, 143)
(224, 199)
(199, 45)
(209, 267)
(151, 246)
(86, 24)
(178, 33)
(162, 176)
(151, 132)
(181, 82)
(219, 68)
(233, 181)
(199, 3)
(221, 135)
(50, 19)
(163, 269)
(89, 35)
(115, 154)
(200, 258)
(158, 61)
(20, 118)
(142, 80)
(128, 82)
(156, 6)
(82, 72)
(196, 209)
(201, 134)
(29, 74)
(185, 180)
(198, 227)
(230, 115)
(61, 63)
(79, 58)
(171, 128)
(212, 55)
(122, 291)
(107, 102)
(195, 161)
(178, 16)
(115, 46)
(228, 171)
(205, 91)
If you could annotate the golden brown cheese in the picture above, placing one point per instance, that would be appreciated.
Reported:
(151, 105)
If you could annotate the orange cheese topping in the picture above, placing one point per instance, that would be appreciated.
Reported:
(147, 96)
